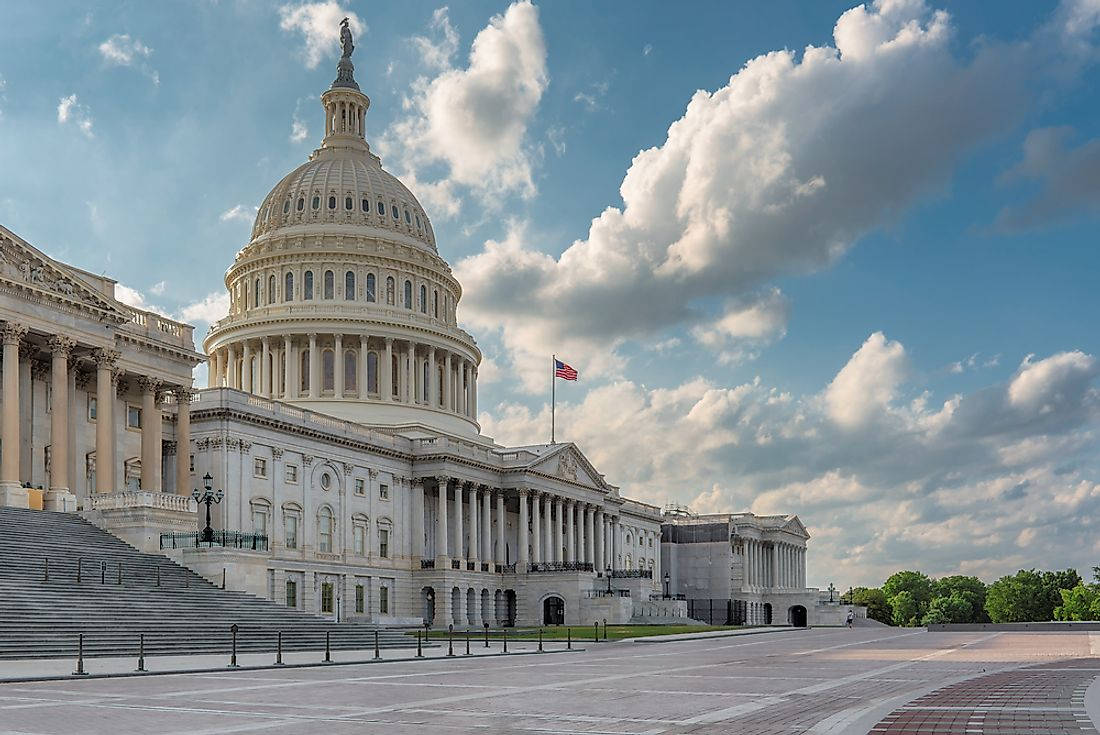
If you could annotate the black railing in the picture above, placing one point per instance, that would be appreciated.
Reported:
(484, 566)
(456, 564)
(470, 566)
(427, 563)
(506, 568)
(560, 566)
(632, 574)
(227, 539)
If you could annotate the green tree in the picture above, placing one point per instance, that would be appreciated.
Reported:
(970, 590)
(1055, 582)
(1019, 598)
(878, 608)
(1080, 603)
(907, 610)
(950, 609)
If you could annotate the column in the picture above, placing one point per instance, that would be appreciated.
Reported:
(589, 538)
(432, 388)
(314, 368)
(361, 366)
(150, 430)
(547, 534)
(266, 388)
(387, 391)
(570, 533)
(441, 525)
(338, 367)
(475, 539)
(775, 566)
(802, 568)
(616, 542)
(486, 524)
(183, 440)
(473, 393)
(556, 523)
(9, 470)
(212, 370)
(60, 349)
(246, 368)
(536, 528)
(289, 389)
(231, 380)
(501, 556)
(447, 381)
(105, 361)
(522, 556)
(417, 519)
(600, 540)
(462, 395)
(459, 532)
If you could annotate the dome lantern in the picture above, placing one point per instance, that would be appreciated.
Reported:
(345, 105)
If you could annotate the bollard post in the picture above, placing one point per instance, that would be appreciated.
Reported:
(119, 573)
(279, 649)
(504, 632)
(569, 639)
(79, 563)
(158, 576)
(141, 652)
(328, 648)
(223, 578)
(377, 653)
(419, 650)
(450, 640)
(233, 651)
(46, 578)
(467, 643)
(540, 640)
(486, 635)
(605, 629)
(80, 658)
(596, 633)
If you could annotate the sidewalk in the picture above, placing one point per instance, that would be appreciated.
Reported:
(54, 668)
(709, 634)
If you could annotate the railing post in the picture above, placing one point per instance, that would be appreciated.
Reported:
(596, 632)
(419, 650)
(158, 575)
(233, 650)
(569, 639)
(450, 640)
(141, 652)
(80, 657)
(486, 635)
(328, 648)
(223, 578)
(279, 648)
(467, 643)
(540, 640)
(605, 629)
(377, 653)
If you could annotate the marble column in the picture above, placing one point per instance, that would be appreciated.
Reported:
(265, 368)
(460, 534)
(589, 537)
(314, 368)
(616, 542)
(289, 389)
(486, 524)
(559, 518)
(361, 373)
(501, 556)
(417, 526)
(338, 367)
(183, 440)
(246, 367)
(10, 486)
(774, 577)
(536, 527)
(61, 348)
(447, 381)
(475, 537)
(441, 560)
(105, 361)
(150, 416)
(473, 394)
(387, 390)
(600, 540)
(431, 393)
(547, 532)
(522, 557)
(570, 533)
(232, 379)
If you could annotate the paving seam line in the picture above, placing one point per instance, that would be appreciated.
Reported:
(669, 639)
(269, 667)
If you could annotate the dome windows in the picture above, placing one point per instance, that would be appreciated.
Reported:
(288, 287)
(286, 206)
(328, 370)
(381, 208)
(408, 295)
(271, 289)
(332, 202)
(307, 286)
(351, 371)
(349, 286)
(372, 372)
(370, 288)
(366, 206)
(389, 290)
(316, 203)
(408, 218)
(301, 203)
(418, 222)
(256, 293)
(348, 204)
(396, 214)
(423, 299)
(330, 284)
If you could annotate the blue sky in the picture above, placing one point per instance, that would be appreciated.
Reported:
(855, 283)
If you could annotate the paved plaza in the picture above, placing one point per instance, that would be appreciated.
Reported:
(815, 681)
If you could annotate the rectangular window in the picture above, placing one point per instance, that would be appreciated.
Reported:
(259, 521)
(384, 600)
(291, 593)
(259, 467)
(360, 599)
(133, 417)
(326, 597)
(290, 523)
(384, 492)
(360, 487)
(384, 543)
(192, 463)
(360, 538)
(292, 473)
(91, 408)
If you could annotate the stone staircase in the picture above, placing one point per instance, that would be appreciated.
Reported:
(178, 611)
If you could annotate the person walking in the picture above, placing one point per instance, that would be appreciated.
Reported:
(851, 617)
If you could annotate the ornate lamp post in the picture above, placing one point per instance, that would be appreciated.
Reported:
(608, 579)
(208, 496)
(667, 580)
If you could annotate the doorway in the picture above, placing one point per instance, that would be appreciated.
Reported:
(553, 611)
(798, 616)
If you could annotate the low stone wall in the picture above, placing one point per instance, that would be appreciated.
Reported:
(1045, 627)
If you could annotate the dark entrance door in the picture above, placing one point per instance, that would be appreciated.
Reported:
(767, 613)
(798, 616)
(553, 611)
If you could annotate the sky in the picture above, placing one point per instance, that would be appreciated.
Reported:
(826, 259)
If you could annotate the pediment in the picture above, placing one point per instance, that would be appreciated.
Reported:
(30, 269)
(794, 525)
(570, 464)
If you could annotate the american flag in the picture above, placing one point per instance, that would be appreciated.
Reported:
(561, 370)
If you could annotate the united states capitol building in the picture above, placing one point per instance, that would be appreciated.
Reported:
(340, 421)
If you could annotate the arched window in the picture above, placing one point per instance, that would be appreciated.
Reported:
(389, 290)
(393, 375)
(256, 293)
(332, 202)
(408, 219)
(424, 392)
(301, 203)
(326, 529)
(288, 287)
(286, 206)
(351, 372)
(372, 372)
(348, 203)
(408, 295)
(328, 373)
(435, 304)
(396, 214)
(304, 372)
(307, 286)
(423, 299)
(330, 284)
(365, 205)
(381, 208)
(370, 287)
(271, 289)
(316, 203)
(349, 286)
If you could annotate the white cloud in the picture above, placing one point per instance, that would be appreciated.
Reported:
(70, 110)
(556, 135)
(647, 49)
(298, 131)
(778, 172)
(592, 96)
(474, 120)
(1069, 179)
(133, 297)
(158, 288)
(240, 213)
(946, 488)
(438, 54)
(319, 24)
(122, 50)
(208, 310)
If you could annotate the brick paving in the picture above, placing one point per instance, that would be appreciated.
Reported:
(831, 681)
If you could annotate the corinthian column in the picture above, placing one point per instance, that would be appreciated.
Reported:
(570, 533)
(522, 557)
(441, 524)
(105, 361)
(536, 528)
(500, 555)
(475, 513)
(150, 435)
(11, 492)
(183, 439)
(60, 349)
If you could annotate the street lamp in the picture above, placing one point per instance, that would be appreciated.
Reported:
(667, 580)
(609, 579)
(208, 496)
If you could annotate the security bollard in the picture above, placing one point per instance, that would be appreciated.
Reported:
(279, 648)
(540, 640)
(158, 576)
(419, 650)
(467, 643)
(605, 629)
(141, 652)
(233, 650)
(223, 578)
(596, 632)
(377, 653)
(450, 640)
(328, 649)
(80, 658)
(486, 635)
(504, 632)
(569, 639)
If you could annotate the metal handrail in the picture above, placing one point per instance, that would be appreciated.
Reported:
(560, 566)
(226, 539)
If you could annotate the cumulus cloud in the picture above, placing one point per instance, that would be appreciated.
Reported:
(745, 323)
(473, 121)
(948, 487)
(207, 310)
(239, 212)
(1068, 179)
(122, 50)
(319, 24)
(70, 110)
(135, 298)
(781, 171)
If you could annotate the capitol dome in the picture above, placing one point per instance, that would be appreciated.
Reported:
(340, 302)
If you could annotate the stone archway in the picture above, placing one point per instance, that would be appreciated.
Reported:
(797, 616)
(553, 610)
(767, 613)
(471, 607)
(486, 607)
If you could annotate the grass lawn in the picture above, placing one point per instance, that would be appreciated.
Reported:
(585, 632)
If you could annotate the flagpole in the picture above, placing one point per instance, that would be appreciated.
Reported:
(553, 393)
